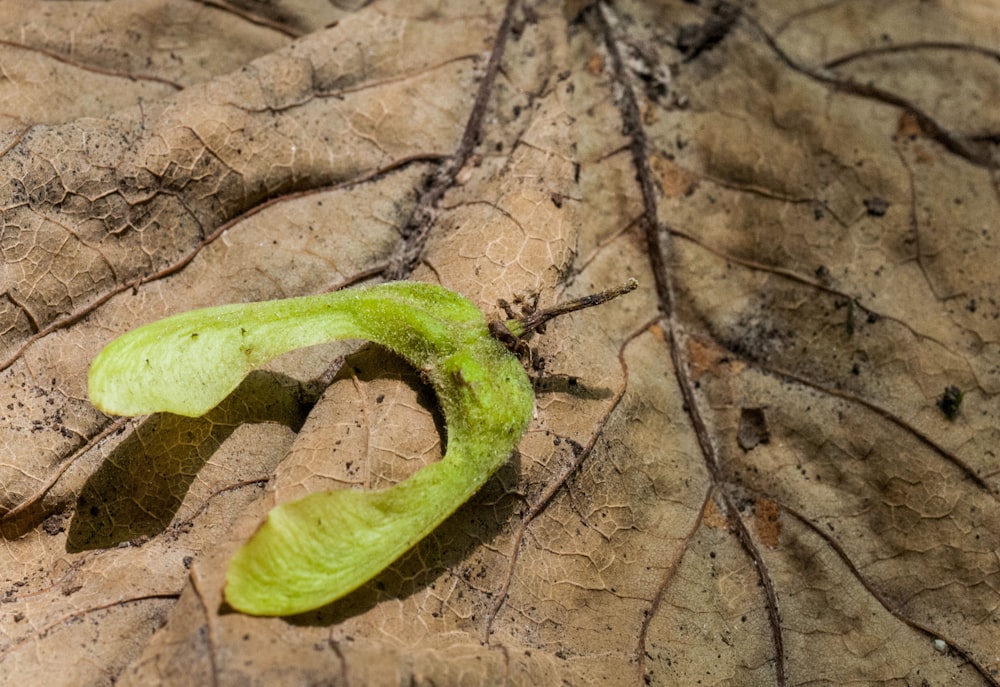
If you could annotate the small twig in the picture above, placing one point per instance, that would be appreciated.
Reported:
(520, 326)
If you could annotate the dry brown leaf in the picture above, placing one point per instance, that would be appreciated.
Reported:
(747, 472)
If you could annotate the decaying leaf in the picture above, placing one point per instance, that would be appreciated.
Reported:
(806, 192)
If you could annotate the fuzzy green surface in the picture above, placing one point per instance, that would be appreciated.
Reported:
(317, 549)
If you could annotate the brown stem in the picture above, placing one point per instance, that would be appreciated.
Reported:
(519, 326)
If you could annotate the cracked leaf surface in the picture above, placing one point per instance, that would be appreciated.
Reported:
(806, 192)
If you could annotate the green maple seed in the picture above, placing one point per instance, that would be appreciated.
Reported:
(319, 548)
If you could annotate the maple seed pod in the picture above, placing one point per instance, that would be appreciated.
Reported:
(314, 550)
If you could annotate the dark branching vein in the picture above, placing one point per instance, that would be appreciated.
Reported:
(919, 253)
(661, 588)
(25, 515)
(537, 507)
(209, 616)
(658, 248)
(259, 483)
(908, 48)
(16, 139)
(638, 148)
(417, 229)
(769, 194)
(887, 415)
(79, 615)
(961, 146)
(28, 315)
(334, 646)
(65, 59)
(363, 86)
(798, 278)
(931, 633)
(65, 321)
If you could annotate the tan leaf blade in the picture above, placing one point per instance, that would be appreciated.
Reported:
(774, 463)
